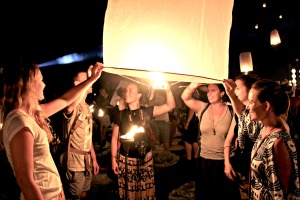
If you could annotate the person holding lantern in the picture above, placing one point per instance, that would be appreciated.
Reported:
(215, 119)
(80, 161)
(134, 167)
(27, 130)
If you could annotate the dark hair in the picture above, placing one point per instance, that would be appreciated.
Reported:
(248, 79)
(274, 93)
(140, 90)
(225, 97)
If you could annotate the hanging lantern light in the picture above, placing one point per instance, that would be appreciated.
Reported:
(274, 37)
(294, 81)
(246, 62)
(184, 40)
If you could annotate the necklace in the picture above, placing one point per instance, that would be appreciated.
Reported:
(213, 121)
(133, 114)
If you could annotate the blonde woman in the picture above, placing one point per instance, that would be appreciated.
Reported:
(26, 133)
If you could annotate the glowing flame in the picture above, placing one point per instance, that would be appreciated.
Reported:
(132, 132)
(158, 80)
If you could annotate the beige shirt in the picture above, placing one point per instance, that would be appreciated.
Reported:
(212, 144)
(81, 138)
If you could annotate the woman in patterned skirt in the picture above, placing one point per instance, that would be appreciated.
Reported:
(136, 175)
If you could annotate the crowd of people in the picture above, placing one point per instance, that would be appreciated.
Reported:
(242, 138)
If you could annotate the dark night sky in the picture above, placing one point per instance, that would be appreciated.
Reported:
(47, 30)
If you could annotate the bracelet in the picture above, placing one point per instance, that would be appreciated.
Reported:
(187, 122)
(114, 156)
(226, 147)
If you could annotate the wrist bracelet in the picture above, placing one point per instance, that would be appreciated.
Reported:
(113, 156)
(226, 147)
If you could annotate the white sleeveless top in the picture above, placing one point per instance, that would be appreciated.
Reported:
(45, 173)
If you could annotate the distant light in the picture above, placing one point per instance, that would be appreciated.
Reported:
(100, 113)
(74, 57)
(92, 108)
(264, 5)
(246, 62)
(274, 37)
(256, 26)
(280, 16)
(294, 81)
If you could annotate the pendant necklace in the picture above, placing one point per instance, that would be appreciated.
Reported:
(133, 113)
(212, 119)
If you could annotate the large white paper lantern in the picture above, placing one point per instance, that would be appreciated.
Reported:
(186, 40)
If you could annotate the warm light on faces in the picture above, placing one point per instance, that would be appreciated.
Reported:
(241, 91)
(213, 93)
(38, 86)
(256, 108)
(131, 93)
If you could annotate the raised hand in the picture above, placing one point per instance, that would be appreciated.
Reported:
(230, 86)
(95, 70)
(193, 86)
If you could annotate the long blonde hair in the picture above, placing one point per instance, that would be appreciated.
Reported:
(17, 88)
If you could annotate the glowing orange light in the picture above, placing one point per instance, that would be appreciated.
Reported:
(132, 132)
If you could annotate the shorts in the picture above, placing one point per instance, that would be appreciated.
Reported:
(162, 131)
(78, 182)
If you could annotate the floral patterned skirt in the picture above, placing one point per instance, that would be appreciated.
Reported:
(137, 182)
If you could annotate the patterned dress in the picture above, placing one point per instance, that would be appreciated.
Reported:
(136, 176)
(264, 180)
(247, 129)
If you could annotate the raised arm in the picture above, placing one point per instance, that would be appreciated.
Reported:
(69, 109)
(237, 105)
(73, 94)
(168, 106)
(187, 98)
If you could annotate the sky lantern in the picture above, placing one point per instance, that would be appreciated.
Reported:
(246, 64)
(274, 37)
(184, 40)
